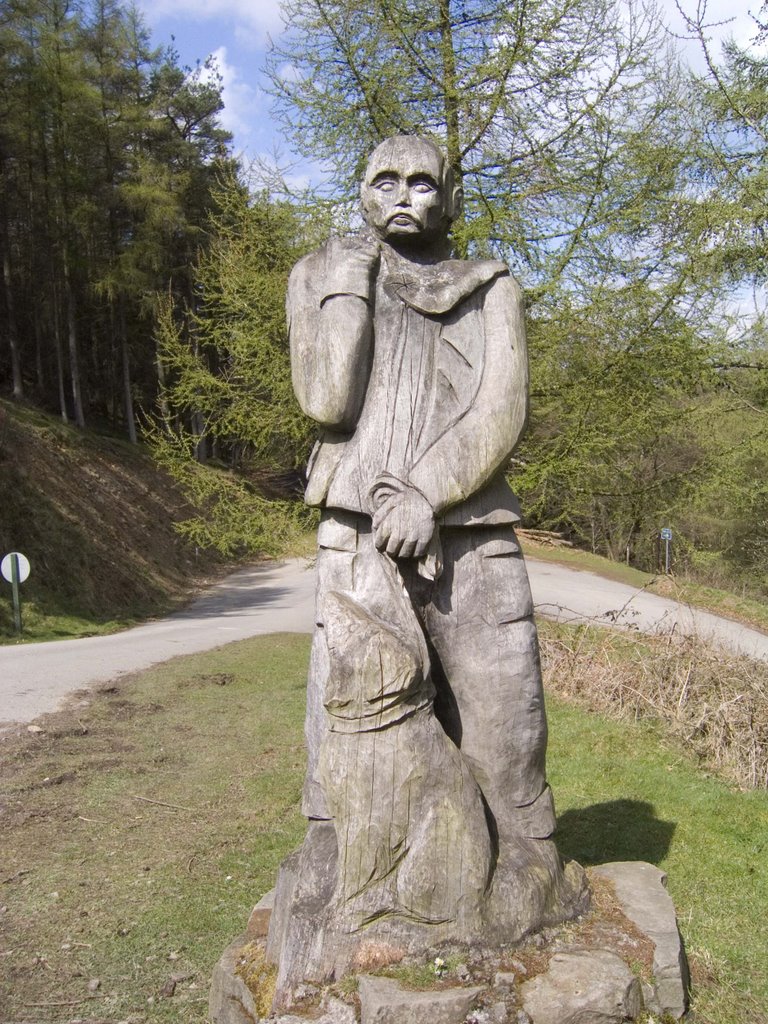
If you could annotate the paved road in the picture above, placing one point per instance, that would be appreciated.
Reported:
(35, 678)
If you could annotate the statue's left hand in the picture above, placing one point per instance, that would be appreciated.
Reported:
(403, 521)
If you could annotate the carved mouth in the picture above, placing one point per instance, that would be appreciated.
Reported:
(402, 219)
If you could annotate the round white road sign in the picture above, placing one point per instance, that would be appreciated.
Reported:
(6, 568)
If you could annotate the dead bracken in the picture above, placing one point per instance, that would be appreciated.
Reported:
(715, 703)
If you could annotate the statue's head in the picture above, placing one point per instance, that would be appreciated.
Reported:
(408, 193)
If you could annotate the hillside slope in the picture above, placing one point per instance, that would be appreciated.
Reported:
(94, 516)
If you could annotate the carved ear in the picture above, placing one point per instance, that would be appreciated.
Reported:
(455, 202)
(364, 191)
(453, 194)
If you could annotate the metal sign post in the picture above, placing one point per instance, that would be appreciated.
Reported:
(15, 569)
(666, 536)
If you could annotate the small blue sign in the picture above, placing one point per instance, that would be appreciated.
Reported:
(666, 533)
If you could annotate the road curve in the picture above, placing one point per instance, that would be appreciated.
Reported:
(272, 598)
(35, 678)
(568, 595)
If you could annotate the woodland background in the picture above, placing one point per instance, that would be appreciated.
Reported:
(144, 269)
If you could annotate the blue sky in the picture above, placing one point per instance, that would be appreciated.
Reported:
(237, 33)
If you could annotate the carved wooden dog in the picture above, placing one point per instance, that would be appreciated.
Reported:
(409, 817)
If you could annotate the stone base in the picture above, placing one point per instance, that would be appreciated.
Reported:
(622, 959)
(314, 938)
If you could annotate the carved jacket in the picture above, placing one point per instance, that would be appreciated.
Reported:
(425, 380)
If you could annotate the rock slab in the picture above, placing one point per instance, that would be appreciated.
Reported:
(641, 890)
(230, 1000)
(383, 1001)
(258, 922)
(334, 1011)
(594, 986)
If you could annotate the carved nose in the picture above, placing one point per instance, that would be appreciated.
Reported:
(403, 197)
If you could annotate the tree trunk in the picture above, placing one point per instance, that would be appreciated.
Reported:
(165, 409)
(10, 307)
(39, 365)
(451, 104)
(59, 357)
(130, 419)
(74, 364)
(198, 430)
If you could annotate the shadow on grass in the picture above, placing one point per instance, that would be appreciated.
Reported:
(615, 830)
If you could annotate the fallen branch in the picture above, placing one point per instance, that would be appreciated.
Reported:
(161, 803)
(69, 1002)
(12, 878)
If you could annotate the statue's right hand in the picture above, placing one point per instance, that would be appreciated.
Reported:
(350, 265)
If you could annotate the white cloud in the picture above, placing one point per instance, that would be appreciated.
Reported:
(289, 73)
(250, 38)
(241, 100)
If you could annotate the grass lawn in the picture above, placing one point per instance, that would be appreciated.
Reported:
(139, 829)
(37, 626)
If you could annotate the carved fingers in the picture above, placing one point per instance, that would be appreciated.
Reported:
(350, 266)
(403, 523)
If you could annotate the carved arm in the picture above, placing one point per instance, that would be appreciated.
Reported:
(330, 328)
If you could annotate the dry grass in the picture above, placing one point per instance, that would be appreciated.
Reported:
(714, 703)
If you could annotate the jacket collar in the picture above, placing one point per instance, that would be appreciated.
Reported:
(437, 288)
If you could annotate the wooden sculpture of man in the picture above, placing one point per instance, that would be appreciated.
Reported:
(415, 366)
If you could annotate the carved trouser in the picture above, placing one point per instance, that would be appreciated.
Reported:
(477, 619)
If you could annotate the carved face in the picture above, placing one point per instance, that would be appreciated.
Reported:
(403, 193)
